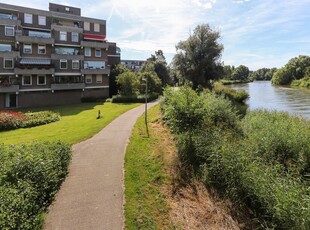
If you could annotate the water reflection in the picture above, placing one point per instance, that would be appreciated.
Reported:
(263, 95)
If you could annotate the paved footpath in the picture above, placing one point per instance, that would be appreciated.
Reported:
(92, 195)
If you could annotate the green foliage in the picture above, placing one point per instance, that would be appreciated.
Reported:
(232, 94)
(277, 137)
(30, 176)
(240, 73)
(14, 120)
(304, 82)
(128, 83)
(282, 77)
(263, 74)
(157, 64)
(154, 84)
(198, 57)
(190, 114)
(115, 71)
(295, 69)
(262, 162)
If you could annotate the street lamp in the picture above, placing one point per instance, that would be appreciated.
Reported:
(145, 112)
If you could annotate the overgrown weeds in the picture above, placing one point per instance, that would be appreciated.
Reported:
(261, 161)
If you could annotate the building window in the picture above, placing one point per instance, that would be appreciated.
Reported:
(89, 79)
(87, 26)
(87, 52)
(27, 80)
(42, 20)
(41, 80)
(98, 78)
(74, 37)
(8, 63)
(28, 18)
(63, 64)
(9, 31)
(27, 48)
(98, 53)
(41, 49)
(5, 47)
(63, 36)
(96, 27)
(75, 64)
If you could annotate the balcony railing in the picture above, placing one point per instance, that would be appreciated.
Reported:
(67, 86)
(94, 44)
(9, 88)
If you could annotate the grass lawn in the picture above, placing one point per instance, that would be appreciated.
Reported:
(145, 176)
(78, 122)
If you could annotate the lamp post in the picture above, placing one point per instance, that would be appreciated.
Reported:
(145, 112)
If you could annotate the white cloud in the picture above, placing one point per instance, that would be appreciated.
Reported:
(203, 4)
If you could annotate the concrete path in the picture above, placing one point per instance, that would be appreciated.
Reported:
(92, 195)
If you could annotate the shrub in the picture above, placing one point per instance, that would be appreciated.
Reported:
(232, 94)
(14, 120)
(30, 176)
(11, 120)
(258, 162)
(279, 137)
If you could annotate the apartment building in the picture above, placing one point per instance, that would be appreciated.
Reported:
(51, 57)
(133, 65)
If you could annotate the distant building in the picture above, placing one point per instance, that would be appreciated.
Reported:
(52, 57)
(133, 65)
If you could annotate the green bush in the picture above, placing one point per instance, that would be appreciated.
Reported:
(280, 138)
(14, 120)
(232, 94)
(262, 161)
(11, 120)
(30, 176)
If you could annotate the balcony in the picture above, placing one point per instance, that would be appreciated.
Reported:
(95, 67)
(9, 54)
(34, 66)
(67, 86)
(96, 71)
(93, 44)
(9, 19)
(66, 27)
(9, 88)
(67, 56)
(34, 37)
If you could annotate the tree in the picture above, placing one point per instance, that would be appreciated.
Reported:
(295, 69)
(240, 73)
(115, 71)
(128, 83)
(153, 83)
(157, 64)
(198, 57)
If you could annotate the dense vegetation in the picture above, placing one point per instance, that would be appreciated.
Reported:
(261, 161)
(234, 95)
(14, 120)
(30, 175)
(297, 70)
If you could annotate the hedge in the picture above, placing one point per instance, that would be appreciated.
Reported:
(30, 176)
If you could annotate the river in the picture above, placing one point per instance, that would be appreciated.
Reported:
(263, 95)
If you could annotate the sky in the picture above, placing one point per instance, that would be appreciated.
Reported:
(255, 33)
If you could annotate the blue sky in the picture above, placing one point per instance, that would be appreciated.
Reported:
(255, 33)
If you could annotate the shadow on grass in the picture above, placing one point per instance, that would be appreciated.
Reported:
(64, 110)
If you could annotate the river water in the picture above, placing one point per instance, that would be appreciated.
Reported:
(263, 95)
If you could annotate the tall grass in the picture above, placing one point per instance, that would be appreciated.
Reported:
(261, 161)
